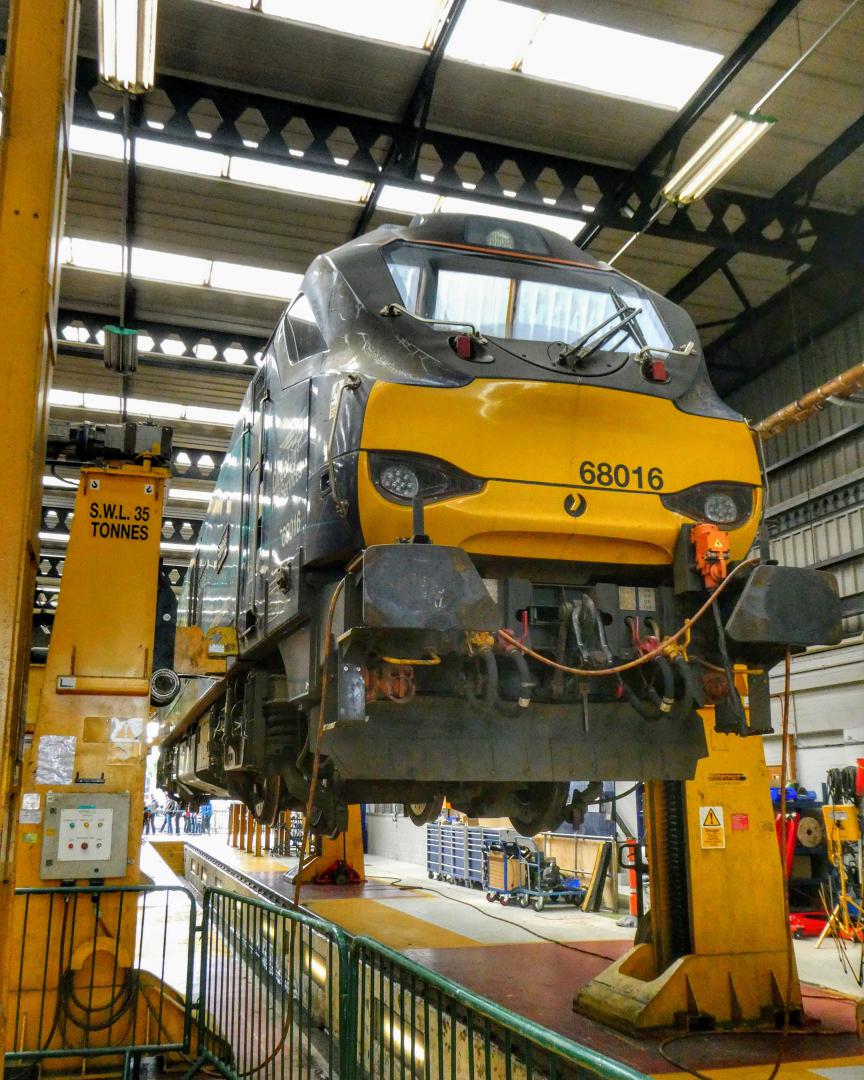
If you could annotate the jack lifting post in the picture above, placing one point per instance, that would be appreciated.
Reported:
(709, 840)
(34, 169)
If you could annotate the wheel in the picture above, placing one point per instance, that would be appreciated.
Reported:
(431, 875)
(424, 813)
(541, 807)
(504, 899)
(539, 903)
(262, 796)
(491, 897)
(524, 899)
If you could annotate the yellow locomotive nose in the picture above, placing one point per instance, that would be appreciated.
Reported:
(569, 472)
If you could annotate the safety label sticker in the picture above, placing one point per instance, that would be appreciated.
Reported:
(711, 827)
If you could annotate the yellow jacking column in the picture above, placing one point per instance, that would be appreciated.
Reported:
(34, 164)
(88, 753)
(720, 949)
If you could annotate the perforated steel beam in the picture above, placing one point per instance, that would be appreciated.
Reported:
(785, 207)
(809, 307)
(530, 174)
(668, 144)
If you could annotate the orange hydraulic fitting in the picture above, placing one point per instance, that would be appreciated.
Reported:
(711, 547)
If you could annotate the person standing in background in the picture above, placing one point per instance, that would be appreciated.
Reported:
(206, 815)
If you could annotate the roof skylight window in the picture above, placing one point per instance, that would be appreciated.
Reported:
(258, 280)
(493, 33)
(204, 415)
(185, 159)
(189, 495)
(407, 200)
(166, 266)
(176, 269)
(93, 255)
(601, 59)
(320, 185)
(96, 141)
(395, 21)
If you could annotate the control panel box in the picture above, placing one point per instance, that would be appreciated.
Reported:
(85, 836)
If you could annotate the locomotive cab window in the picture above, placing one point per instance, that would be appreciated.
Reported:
(526, 302)
(302, 335)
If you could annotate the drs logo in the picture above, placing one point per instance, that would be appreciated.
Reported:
(111, 522)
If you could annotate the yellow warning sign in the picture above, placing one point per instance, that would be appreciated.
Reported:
(712, 830)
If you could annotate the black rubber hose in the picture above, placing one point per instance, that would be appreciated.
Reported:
(668, 677)
(526, 686)
(690, 698)
(646, 709)
(491, 666)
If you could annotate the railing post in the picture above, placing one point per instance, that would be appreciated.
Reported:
(349, 1009)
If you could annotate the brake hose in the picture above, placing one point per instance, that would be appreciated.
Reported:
(660, 650)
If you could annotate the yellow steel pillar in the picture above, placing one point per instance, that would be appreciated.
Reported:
(720, 953)
(34, 167)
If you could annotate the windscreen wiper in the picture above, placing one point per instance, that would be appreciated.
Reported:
(623, 318)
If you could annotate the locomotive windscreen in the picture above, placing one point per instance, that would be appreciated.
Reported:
(523, 301)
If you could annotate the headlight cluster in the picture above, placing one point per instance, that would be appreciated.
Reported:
(402, 477)
(726, 504)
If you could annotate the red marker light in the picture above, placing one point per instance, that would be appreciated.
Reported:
(463, 346)
(655, 371)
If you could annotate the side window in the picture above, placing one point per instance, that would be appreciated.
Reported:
(302, 335)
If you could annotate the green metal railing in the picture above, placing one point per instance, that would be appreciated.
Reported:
(275, 992)
(288, 995)
(283, 995)
(414, 1023)
(93, 968)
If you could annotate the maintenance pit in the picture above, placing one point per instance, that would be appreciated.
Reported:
(448, 931)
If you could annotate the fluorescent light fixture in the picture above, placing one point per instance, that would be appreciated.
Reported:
(597, 58)
(716, 156)
(127, 44)
(493, 33)
(401, 22)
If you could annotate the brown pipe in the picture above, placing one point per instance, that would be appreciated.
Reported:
(843, 385)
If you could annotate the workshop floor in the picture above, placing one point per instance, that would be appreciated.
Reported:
(534, 962)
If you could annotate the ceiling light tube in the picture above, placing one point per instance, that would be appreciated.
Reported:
(729, 143)
(127, 44)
